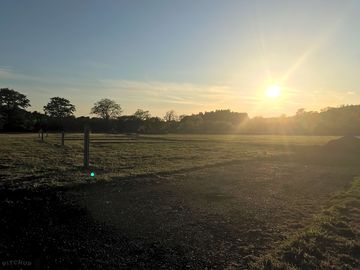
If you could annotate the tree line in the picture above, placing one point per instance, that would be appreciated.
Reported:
(58, 114)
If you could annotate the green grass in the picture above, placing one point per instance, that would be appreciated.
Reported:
(251, 139)
(26, 161)
(332, 241)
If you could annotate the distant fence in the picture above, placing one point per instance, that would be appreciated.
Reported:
(43, 135)
(86, 149)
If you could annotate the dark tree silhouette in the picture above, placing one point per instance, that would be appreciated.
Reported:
(12, 110)
(107, 109)
(342, 120)
(170, 116)
(142, 115)
(59, 108)
(12, 100)
(153, 125)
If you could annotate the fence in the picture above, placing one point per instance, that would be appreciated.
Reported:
(61, 140)
(62, 143)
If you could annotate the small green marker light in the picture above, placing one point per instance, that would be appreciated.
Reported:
(92, 174)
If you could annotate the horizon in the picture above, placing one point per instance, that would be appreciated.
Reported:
(95, 115)
(183, 56)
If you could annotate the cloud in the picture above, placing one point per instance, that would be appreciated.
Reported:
(156, 94)
(8, 73)
(181, 93)
(119, 87)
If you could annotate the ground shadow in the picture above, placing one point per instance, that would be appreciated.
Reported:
(45, 230)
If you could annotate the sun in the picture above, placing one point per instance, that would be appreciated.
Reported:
(273, 91)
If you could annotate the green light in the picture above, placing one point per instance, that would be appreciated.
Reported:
(92, 174)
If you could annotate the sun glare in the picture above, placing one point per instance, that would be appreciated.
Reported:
(273, 91)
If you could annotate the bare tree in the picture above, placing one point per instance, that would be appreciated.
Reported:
(106, 109)
(171, 116)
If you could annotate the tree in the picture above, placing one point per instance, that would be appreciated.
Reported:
(12, 110)
(191, 123)
(59, 108)
(11, 100)
(300, 112)
(170, 116)
(142, 115)
(2, 120)
(152, 125)
(106, 109)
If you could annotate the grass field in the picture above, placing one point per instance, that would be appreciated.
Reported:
(179, 201)
(28, 162)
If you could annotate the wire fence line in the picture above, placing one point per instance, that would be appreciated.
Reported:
(93, 144)
(87, 138)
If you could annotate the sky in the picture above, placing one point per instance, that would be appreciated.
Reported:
(185, 55)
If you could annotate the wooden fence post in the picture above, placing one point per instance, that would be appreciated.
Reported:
(62, 138)
(86, 147)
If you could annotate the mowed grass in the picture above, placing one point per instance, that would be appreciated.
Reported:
(25, 161)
